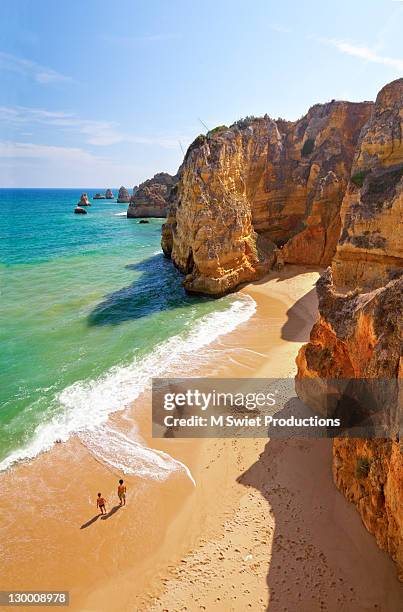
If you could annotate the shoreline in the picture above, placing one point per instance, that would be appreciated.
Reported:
(173, 538)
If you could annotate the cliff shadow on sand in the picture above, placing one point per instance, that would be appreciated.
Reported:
(300, 318)
(302, 314)
(322, 558)
(147, 294)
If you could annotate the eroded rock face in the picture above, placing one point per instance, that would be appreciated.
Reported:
(359, 335)
(359, 332)
(109, 194)
(151, 198)
(376, 490)
(370, 246)
(371, 321)
(123, 196)
(244, 191)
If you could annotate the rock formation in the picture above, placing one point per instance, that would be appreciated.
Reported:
(99, 196)
(245, 191)
(151, 198)
(109, 194)
(358, 335)
(84, 201)
(80, 211)
(123, 196)
(370, 246)
(359, 331)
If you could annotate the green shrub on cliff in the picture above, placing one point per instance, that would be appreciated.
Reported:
(216, 130)
(362, 467)
(359, 177)
(308, 147)
(244, 122)
(198, 141)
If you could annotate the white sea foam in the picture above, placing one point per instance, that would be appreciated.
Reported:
(121, 214)
(129, 456)
(85, 405)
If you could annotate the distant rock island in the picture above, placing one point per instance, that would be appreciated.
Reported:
(109, 194)
(151, 198)
(123, 196)
(99, 196)
(84, 201)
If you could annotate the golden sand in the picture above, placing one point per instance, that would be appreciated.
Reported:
(264, 525)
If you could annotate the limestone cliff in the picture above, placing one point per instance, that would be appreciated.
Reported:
(261, 185)
(151, 198)
(359, 335)
(370, 246)
(359, 331)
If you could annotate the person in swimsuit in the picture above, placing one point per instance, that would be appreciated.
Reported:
(122, 493)
(101, 504)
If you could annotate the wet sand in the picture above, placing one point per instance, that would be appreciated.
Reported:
(264, 525)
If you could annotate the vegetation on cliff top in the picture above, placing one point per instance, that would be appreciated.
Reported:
(216, 130)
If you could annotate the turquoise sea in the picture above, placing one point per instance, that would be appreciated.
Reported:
(90, 310)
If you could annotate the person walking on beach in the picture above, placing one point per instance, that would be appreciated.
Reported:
(101, 503)
(122, 493)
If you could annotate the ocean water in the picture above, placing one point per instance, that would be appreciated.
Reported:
(90, 310)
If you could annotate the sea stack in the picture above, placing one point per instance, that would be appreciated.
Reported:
(84, 201)
(123, 196)
(99, 196)
(151, 198)
(79, 211)
(109, 194)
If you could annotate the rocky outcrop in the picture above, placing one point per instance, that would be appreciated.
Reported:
(358, 336)
(123, 196)
(359, 331)
(370, 246)
(99, 196)
(84, 201)
(109, 194)
(262, 185)
(151, 198)
(370, 474)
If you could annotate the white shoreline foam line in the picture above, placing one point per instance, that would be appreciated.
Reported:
(129, 456)
(87, 404)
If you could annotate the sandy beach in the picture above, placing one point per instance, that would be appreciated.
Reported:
(263, 527)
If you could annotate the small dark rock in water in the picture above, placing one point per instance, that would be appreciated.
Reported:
(143, 221)
(98, 196)
(80, 211)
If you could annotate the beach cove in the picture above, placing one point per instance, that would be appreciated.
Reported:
(225, 523)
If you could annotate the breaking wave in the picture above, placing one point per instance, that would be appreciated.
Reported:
(83, 407)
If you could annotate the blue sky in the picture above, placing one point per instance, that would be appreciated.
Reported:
(97, 93)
